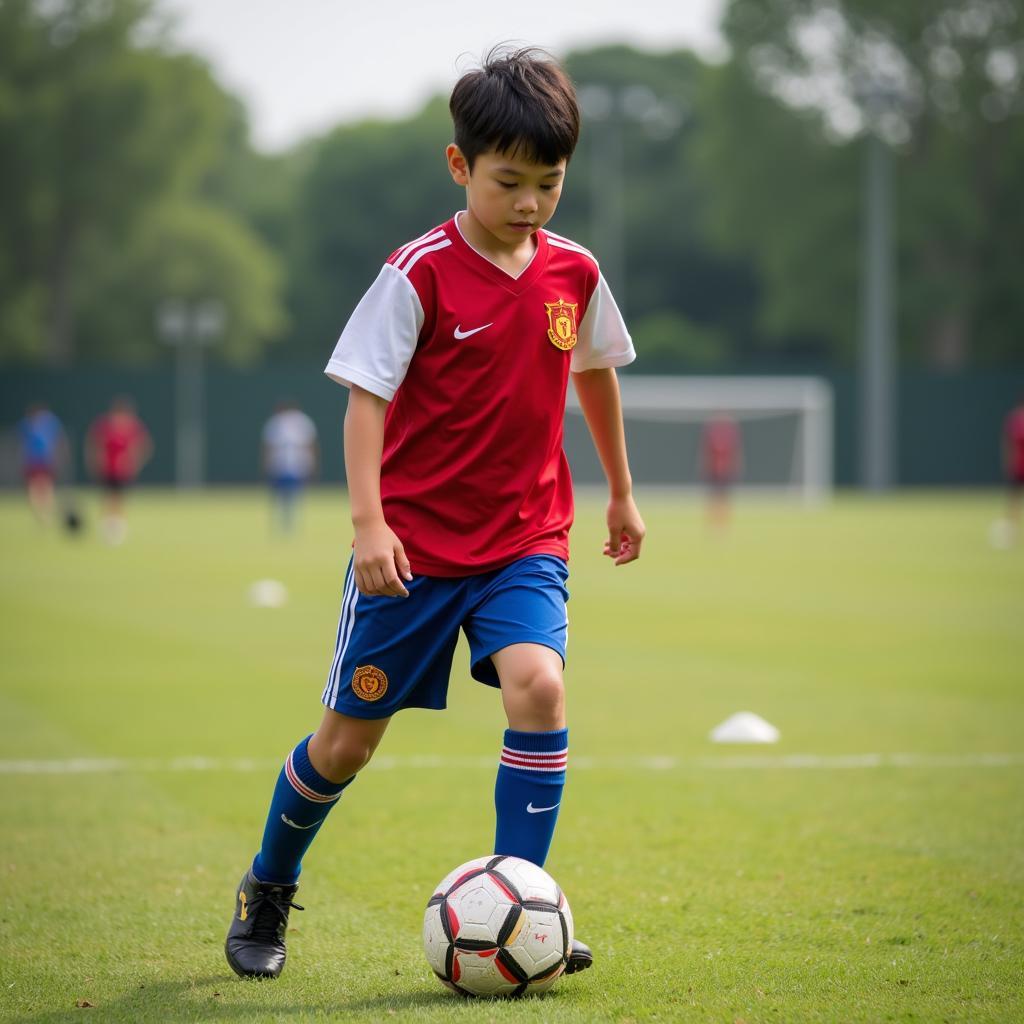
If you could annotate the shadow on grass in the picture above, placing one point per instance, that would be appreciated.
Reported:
(199, 999)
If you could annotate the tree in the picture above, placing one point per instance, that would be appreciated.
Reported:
(942, 84)
(99, 126)
(184, 250)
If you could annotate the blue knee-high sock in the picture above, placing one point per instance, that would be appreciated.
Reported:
(302, 799)
(528, 791)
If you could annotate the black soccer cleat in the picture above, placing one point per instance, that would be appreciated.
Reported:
(580, 958)
(255, 942)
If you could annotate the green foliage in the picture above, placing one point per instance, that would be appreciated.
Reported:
(671, 343)
(98, 131)
(670, 270)
(944, 85)
(369, 188)
(782, 196)
(190, 251)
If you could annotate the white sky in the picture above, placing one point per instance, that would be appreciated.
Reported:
(301, 66)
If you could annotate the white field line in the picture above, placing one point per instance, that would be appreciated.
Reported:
(729, 762)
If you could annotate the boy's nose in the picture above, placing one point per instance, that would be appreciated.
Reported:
(526, 204)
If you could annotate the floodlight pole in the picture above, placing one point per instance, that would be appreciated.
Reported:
(190, 329)
(608, 109)
(877, 358)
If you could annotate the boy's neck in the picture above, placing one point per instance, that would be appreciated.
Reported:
(513, 259)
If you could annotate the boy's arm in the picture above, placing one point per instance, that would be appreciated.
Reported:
(598, 392)
(379, 559)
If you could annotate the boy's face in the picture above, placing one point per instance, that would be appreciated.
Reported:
(509, 196)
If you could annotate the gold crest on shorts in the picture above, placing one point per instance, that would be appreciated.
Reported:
(562, 323)
(369, 683)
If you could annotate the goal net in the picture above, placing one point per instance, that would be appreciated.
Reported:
(782, 427)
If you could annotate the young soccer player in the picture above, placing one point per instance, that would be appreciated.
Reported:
(457, 361)
(117, 447)
(290, 458)
(44, 448)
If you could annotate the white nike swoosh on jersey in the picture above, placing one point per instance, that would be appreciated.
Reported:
(530, 809)
(288, 821)
(460, 333)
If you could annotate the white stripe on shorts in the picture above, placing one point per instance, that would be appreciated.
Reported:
(350, 621)
(350, 580)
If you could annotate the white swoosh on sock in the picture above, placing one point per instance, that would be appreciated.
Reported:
(288, 821)
(530, 809)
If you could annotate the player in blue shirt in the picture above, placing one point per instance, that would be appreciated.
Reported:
(43, 451)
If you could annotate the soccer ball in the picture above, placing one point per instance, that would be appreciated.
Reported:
(498, 926)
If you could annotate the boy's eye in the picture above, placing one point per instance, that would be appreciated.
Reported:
(507, 184)
(548, 188)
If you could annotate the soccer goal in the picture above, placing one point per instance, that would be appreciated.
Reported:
(783, 426)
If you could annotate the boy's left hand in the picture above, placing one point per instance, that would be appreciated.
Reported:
(626, 531)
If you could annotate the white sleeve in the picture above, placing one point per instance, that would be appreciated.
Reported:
(602, 339)
(380, 337)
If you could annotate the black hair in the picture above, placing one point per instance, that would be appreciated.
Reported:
(518, 102)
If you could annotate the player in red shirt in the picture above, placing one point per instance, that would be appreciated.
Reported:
(457, 362)
(1013, 462)
(721, 460)
(117, 447)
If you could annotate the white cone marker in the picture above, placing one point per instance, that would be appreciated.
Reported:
(744, 727)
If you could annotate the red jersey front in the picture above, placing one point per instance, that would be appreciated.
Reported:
(476, 363)
(1015, 443)
(119, 438)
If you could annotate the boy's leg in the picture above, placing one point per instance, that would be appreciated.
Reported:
(531, 774)
(310, 783)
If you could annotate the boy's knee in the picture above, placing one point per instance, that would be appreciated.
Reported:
(544, 691)
(342, 756)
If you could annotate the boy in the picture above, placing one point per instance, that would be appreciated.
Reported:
(117, 447)
(44, 448)
(457, 361)
(290, 458)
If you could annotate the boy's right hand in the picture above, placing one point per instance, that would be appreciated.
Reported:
(380, 563)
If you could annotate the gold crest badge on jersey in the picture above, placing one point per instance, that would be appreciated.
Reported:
(369, 683)
(562, 323)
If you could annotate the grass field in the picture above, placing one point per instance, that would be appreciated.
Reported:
(714, 883)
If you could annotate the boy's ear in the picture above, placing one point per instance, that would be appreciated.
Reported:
(458, 165)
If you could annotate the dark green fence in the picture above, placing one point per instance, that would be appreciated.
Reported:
(949, 426)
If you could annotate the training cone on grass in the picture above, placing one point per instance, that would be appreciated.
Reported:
(268, 594)
(744, 727)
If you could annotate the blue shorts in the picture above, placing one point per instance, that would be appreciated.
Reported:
(287, 483)
(394, 652)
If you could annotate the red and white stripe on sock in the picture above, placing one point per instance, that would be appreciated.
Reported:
(535, 760)
(302, 789)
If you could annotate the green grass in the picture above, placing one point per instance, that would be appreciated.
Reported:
(712, 888)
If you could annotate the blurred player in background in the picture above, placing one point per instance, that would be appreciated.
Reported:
(721, 458)
(44, 450)
(1013, 464)
(290, 458)
(117, 447)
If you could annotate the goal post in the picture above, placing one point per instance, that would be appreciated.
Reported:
(785, 428)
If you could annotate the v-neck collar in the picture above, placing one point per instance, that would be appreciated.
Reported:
(488, 268)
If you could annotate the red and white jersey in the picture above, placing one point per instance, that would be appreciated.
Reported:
(475, 364)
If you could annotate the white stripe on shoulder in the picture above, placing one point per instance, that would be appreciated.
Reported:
(568, 241)
(423, 252)
(573, 247)
(404, 253)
